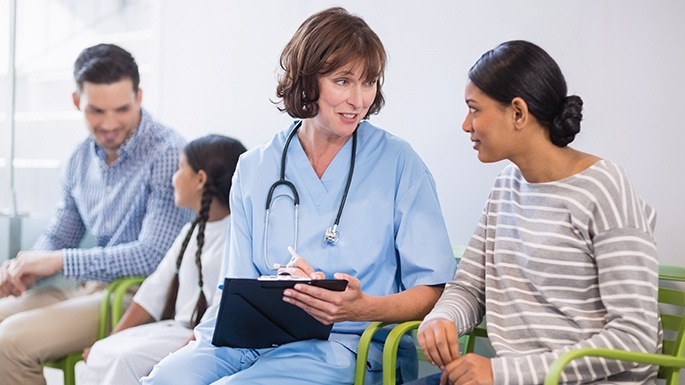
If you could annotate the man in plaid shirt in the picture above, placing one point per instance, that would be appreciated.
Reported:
(117, 187)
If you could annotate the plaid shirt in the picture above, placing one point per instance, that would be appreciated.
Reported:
(127, 206)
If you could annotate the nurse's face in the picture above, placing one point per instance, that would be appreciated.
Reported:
(344, 100)
(489, 124)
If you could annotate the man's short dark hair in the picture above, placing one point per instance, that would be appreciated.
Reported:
(105, 64)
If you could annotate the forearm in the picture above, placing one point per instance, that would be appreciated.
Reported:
(410, 304)
(135, 315)
(458, 306)
(462, 301)
(105, 264)
(137, 257)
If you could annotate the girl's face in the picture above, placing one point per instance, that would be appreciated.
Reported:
(344, 100)
(490, 124)
(188, 185)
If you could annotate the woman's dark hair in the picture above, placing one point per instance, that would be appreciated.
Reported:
(217, 156)
(105, 64)
(325, 42)
(522, 69)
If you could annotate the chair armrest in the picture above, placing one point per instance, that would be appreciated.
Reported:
(392, 343)
(672, 273)
(470, 341)
(119, 295)
(557, 367)
(363, 351)
(114, 294)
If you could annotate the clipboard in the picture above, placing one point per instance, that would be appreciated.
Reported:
(253, 315)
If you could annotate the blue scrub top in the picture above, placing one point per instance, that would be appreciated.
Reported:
(392, 232)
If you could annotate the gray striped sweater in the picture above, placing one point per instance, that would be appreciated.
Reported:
(557, 266)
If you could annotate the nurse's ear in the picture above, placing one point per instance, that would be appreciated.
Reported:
(520, 113)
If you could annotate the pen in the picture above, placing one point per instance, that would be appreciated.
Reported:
(294, 258)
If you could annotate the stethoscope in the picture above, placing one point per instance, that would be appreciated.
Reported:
(331, 236)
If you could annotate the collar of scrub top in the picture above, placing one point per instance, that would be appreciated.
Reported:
(331, 236)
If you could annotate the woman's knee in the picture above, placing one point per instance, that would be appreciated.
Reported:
(181, 367)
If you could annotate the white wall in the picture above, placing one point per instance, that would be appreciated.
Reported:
(624, 58)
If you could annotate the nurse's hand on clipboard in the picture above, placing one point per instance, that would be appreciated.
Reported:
(298, 267)
(327, 306)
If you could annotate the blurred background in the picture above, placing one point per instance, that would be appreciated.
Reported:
(210, 66)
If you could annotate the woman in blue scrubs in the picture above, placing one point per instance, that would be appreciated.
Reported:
(368, 213)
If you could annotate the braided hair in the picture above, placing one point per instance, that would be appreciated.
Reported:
(217, 156)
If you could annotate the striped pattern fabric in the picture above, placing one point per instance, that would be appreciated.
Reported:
(557, 266)
(128, 206)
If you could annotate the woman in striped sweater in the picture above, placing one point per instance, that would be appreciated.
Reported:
(564, 255)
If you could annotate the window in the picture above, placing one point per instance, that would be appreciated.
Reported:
(49, 36)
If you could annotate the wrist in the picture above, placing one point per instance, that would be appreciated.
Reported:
(57, 261)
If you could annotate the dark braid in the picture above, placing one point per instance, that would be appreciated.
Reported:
(208, 193)
(169, 311)
(217, 156)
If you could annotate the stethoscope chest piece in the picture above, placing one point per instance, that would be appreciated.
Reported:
(331, 236)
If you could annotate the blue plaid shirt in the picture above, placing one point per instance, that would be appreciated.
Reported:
(127, 206)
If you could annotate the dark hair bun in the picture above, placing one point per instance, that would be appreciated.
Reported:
(567, 123)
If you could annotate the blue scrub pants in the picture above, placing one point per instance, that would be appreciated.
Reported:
(304, 362)
(433, 379)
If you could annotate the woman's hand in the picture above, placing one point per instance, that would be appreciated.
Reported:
(298, 267)
(471, 369)
(329, 306)
(439, 341)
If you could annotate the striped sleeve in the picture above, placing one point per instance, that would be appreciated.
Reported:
(627, 277)
(463, 299)
(559, 266)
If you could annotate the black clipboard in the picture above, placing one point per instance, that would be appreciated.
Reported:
(252, 314)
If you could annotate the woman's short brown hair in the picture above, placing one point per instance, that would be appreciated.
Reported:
(325, 42)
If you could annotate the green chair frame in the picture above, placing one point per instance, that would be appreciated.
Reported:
(391, 345)
(113, 300)
(670, 361)
(672, 358)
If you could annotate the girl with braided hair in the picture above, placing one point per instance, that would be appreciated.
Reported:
(178, 294)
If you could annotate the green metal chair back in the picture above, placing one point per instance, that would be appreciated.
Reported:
(113, 300)
(672, 308)
(671, 360)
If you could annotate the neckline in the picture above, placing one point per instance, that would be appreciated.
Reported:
(593, 166)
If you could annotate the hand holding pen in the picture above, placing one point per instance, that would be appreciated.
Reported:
(298, 267)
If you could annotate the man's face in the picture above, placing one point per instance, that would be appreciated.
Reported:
(112, 113)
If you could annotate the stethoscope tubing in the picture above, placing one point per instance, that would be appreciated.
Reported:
(331, 234)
